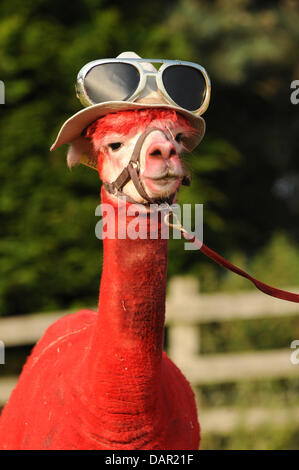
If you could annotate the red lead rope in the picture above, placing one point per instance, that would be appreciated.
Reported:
(279, 293)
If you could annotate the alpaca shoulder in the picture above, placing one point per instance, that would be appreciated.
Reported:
(68, 328)
(180, 402)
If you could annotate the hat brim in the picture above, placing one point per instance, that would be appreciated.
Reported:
(74, 126)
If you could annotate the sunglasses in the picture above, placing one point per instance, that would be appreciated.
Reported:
(183, 84)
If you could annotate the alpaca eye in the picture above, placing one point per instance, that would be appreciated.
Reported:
(115, 146)
(178, 137)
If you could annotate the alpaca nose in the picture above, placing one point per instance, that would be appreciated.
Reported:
(164, 150)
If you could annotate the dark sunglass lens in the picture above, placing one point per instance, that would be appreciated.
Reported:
(185, 85)
(111, 82)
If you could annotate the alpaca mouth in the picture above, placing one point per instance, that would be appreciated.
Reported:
(166, 177)
(166, 180)
(162, 185)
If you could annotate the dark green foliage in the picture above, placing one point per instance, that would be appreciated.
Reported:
(50, 257)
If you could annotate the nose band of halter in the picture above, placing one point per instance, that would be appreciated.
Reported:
(132, 171)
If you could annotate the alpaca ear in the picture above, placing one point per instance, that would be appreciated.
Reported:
(81, 151)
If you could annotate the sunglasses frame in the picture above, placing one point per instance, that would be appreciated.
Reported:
(143, 74)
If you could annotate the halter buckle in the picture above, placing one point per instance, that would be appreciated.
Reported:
(135, 165)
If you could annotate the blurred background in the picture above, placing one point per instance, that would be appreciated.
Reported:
(245, 172)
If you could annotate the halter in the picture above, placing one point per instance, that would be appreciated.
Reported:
(132, 172)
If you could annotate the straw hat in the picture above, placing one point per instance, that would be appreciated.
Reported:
(71, 130)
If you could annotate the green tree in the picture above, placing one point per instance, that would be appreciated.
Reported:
(241, 171)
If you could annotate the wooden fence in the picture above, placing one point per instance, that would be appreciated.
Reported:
(186, 310)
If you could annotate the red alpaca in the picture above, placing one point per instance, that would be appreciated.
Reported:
(101, 380)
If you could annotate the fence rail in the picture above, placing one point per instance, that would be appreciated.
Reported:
(186, 309)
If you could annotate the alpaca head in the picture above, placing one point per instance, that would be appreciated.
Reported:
(115, 135)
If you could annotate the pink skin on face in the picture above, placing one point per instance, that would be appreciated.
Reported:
(160, 166)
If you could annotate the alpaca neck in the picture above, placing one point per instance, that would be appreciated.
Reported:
(126, 350)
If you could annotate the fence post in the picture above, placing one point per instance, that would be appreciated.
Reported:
(2, 92)
(183, 339)
(2, 352)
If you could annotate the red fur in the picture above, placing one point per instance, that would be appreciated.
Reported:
(131, 121)
(101, 380)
